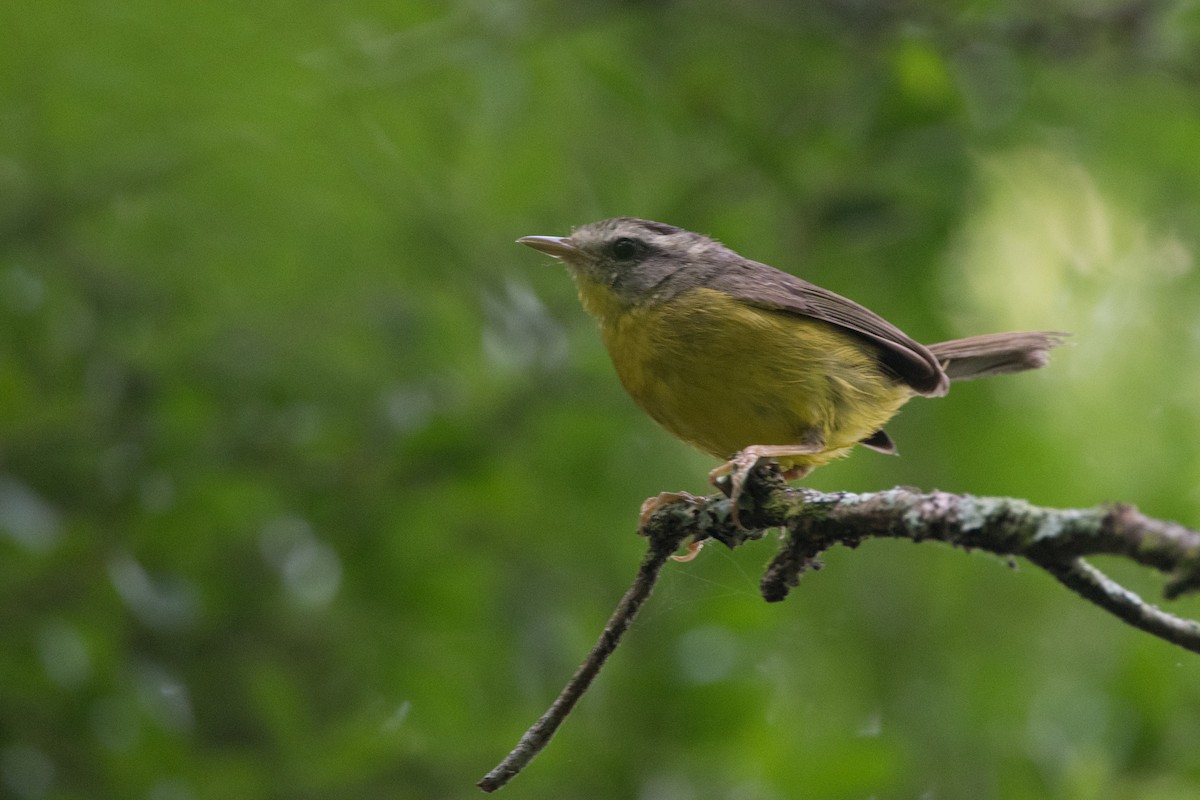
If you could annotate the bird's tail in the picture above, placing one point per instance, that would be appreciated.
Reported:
(995, 353)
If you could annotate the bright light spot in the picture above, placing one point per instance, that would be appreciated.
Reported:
(1048, 246)
(27, 518)
(1052, 246)
(311, 570)
(165, 603)
(872, 726)
(164, 697)
(396, 720)
(312, 574)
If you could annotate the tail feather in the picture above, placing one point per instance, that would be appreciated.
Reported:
(995, 353)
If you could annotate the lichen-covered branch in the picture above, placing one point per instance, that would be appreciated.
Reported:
(1053, 539)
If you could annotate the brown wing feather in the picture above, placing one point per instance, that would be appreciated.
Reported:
(770, 288)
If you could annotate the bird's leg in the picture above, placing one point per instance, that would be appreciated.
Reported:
(653, 504)
(743, 463)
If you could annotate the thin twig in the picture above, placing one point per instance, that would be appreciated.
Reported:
(1092, 584)
(540, 733)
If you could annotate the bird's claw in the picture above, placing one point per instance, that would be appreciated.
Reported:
(653, 504)
(735, 471)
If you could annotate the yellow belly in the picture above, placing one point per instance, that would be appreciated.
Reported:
(722, 376)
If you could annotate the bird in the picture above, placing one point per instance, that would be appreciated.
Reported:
(746, 362)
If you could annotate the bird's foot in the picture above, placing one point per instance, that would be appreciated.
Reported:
(736, 470)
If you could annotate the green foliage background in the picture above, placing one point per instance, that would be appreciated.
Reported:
(314, 485)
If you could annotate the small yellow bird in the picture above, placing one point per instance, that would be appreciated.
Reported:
(746, 362)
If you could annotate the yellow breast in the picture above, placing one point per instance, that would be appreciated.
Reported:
(723, 375)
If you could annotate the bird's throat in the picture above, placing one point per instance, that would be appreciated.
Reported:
(600, 302)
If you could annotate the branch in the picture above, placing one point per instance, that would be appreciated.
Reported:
(1053, 539)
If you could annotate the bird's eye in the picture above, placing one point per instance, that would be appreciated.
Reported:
(625, 248)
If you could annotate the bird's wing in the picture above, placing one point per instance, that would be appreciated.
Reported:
(767, 287)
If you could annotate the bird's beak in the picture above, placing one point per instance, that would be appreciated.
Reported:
(557, 246)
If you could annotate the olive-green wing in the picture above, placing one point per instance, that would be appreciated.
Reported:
(770, 288)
